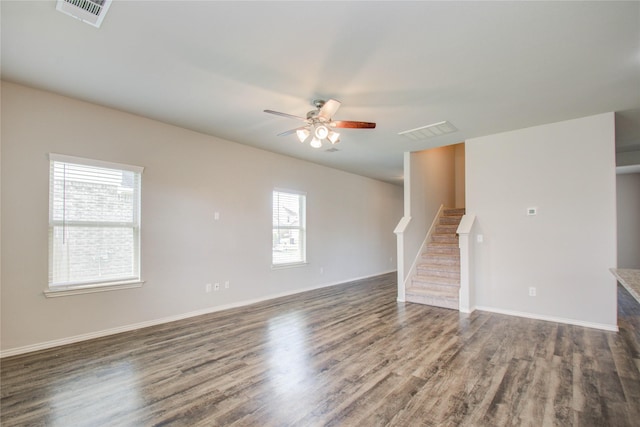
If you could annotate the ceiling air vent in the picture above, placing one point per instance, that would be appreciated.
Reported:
(429, 131)
(90, 11)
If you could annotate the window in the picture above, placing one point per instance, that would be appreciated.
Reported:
(288, 228)
(94, 224)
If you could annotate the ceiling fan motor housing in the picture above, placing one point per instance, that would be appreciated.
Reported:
(314, 115)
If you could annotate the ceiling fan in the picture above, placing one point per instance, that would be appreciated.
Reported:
(320, 124)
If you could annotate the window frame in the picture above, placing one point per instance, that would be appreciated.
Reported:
(301, 228)
(90, 286)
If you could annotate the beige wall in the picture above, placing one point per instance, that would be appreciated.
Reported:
(433, 178)
(628, 192)
(187, 178)
(567, 171)
(460, 184)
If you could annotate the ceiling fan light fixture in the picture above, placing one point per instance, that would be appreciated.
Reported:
(319, 124)
(334, 137)
(303, 134)
(321, 132)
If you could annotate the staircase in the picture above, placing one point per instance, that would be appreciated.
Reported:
(437, 279)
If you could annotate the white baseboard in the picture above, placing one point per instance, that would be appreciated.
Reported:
(469, 310)
(132, 327)
(603, 326)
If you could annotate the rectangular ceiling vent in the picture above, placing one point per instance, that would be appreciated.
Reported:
(429, 131)
(90, 11)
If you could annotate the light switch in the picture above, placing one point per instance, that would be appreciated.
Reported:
(216, 215)
(480, 238)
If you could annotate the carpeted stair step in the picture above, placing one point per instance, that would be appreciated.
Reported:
(446, 229)
(454, 212)
(439, 270)
(441, 256)
(437, 264)
(437, 278)
(444, 238)
(430, 297)
(436, 288)
(443, 248)
(425, 281)
(450, 220)
(441, 259)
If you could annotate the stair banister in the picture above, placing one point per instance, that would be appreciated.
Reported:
(466, 234)
(408, 253)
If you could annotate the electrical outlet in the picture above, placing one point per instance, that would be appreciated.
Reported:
(226, 284)
(207, 287)
(216, 287)
(532, 291)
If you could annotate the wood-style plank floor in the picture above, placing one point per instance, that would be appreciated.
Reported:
(348, 355)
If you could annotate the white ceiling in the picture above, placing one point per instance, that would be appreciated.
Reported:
(214, 66)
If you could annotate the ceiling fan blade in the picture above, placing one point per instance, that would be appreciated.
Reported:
(329, 109)
(290, 116)
(353, 125)
(290, 131)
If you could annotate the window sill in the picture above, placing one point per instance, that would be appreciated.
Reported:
(291, 265)
(89, 289)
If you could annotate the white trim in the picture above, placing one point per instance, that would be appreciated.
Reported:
(288, 190)
(89, 289)
(92, 335)
(466, 224)
(621, 170)
(97, 163)
(402, 225)
(603, 326)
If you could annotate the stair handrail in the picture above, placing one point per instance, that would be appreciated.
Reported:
(404, 254)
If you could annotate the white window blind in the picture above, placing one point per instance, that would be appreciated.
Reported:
(289, 233)
(94, 222)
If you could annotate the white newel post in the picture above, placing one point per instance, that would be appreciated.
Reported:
(399, 231)
(465, 242)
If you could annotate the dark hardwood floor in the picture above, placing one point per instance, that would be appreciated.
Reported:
(348, 355)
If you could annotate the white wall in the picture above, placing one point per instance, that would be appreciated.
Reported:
(567, 171)
(188, 176)
(628, 192)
